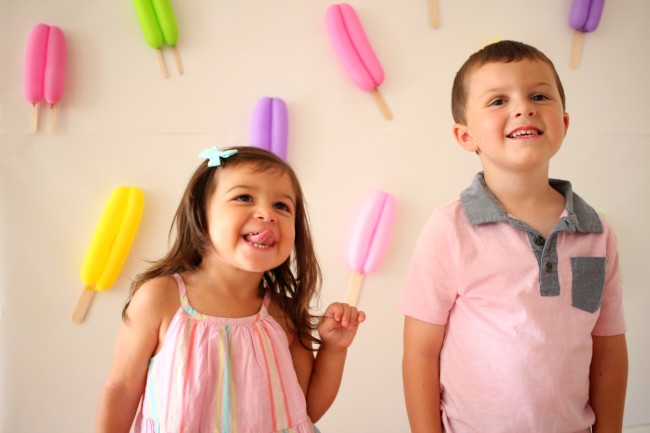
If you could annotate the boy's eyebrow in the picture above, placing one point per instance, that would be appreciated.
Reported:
(502, 89)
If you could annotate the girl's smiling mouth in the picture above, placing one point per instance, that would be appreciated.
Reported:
(264, 239)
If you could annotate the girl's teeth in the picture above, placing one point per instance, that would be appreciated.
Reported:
(263, 239)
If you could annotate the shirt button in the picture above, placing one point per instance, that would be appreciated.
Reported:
(539, 241)
(549, 267)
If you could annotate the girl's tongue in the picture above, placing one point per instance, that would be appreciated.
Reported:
(263, 238)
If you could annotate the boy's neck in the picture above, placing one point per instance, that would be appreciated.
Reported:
(529, 198)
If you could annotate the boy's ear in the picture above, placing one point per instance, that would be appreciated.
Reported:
(464, 137)
(566, 122)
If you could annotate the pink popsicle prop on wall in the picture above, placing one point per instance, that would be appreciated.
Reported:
(585, 17)
(370, 239)
(355, 52)
(44, 74)
(271, 126)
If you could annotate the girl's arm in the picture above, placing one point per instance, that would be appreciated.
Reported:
(608, 382)
(321, 377)
(136, 342)
(421, 374)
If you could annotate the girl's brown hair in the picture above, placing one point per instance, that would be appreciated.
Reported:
(291, 286)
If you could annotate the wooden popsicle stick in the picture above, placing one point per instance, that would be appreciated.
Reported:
(79, 312)
(177, 58)
(354, 289)
(576, 49)
(52, 118)
(34, 118)
(161, 64)
(434, 17)
(382, 104)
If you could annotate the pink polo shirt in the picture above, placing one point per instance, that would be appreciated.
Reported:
(519, 310)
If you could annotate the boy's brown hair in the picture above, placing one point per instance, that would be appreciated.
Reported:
(498, 52)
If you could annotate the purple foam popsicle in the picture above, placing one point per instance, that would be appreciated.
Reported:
(271, 126)
(585, 14)
(585, 17)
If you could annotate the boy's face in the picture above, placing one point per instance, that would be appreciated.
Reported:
(515, 118)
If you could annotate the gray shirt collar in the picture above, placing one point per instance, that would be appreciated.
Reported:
(482, 206)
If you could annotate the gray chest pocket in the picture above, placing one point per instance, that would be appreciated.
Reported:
(588, 281)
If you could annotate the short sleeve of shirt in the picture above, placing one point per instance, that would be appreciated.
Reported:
(430, 286)
(611, 319)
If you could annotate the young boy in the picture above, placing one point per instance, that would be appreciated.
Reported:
(514, 318)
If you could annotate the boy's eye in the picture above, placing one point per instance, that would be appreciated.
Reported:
(539, 97)
(497, 101)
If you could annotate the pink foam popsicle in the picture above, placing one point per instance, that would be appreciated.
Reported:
(44, 74)
(55, 71)
(270, 126)
(369, 241)
(585, 17)
(35, 68)
(355, 52)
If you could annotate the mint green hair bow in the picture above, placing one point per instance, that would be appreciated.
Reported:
(214, 155)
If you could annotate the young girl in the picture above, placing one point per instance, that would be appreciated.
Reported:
(217, 335)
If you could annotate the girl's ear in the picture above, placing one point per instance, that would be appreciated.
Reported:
(464, 137)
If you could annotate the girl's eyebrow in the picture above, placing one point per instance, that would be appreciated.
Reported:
(234, 187)
(253, 188)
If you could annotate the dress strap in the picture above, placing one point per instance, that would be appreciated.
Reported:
(266, 302)
(185, 302)
(182, 291)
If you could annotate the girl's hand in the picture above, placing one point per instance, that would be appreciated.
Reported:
(339, 325)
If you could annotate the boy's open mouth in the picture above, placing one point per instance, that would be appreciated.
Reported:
(525, 133)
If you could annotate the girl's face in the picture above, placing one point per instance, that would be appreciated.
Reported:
(251, 218)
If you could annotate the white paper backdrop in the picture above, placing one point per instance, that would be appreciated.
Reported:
(119, 122)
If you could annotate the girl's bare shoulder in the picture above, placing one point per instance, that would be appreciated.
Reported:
(157, 297)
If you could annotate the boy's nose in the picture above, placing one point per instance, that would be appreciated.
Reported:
(525, 108)
(525, 113)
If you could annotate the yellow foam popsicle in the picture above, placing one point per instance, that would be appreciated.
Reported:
(110, 245)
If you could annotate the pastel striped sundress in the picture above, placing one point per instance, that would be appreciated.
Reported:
(222, 375)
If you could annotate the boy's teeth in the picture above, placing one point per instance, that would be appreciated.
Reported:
(526, 132)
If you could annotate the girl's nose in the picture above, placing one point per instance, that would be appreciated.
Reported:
(266, 213)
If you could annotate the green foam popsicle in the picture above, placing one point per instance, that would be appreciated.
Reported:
(159, 27)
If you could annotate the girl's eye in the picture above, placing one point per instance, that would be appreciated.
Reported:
(282, 206)
(244, 198)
